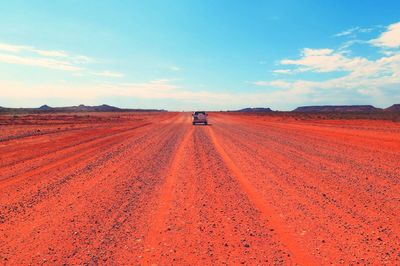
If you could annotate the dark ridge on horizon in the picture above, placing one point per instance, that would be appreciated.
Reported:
(393, 108)
(325, 109)
(337, 108)
(254, 110)
(71, 109)
(345, 109)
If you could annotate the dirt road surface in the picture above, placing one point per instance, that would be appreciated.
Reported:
(153, 189)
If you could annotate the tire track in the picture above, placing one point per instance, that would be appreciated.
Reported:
(300, 256)
(231, 229)
(157, 226)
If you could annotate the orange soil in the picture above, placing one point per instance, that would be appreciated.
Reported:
(152, 188)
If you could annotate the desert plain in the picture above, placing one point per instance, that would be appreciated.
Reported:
(150, 188)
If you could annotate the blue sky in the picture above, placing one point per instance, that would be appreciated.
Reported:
(214, 55)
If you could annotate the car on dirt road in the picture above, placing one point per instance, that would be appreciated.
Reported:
(200, 117)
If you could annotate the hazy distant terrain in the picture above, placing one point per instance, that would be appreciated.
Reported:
(73, 109)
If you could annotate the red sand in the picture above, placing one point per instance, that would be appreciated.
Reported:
(152, 188)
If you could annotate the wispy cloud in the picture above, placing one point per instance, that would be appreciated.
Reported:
(344, 48)
(347, 32)
(273, 84)
(20, 48)
(39, 62)
(107, 73)
(13, 48)
(50, 53)
(324, 60)
(353, 31)
(83, 59)
(282, 71)
(50, 59)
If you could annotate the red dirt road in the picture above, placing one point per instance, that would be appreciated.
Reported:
(153, 189)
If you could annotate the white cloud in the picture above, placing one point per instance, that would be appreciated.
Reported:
(324, 60)
(316, 52)
(50, 53)
(274, 83)
(31, 56)
(51, 59)
(282, 71)
(13, 48)
(353, 31)
(82, 59)
(347, 32)
(20, 48)
(39, 62)
(366, 30)
(390, 38)
(344, 48)
(107, 73)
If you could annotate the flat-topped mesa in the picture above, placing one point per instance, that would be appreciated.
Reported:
(337, 108)
(255, 110)
(393, 108)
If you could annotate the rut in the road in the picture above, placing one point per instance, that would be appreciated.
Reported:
(300, 255)
(158, 224)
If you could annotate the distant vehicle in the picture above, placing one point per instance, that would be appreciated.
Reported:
(199, 117)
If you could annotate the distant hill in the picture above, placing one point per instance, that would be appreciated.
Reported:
(86, 108)
(393, 108)
(45, 107)
(337, 108)
(73, 109)
(255, 110)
